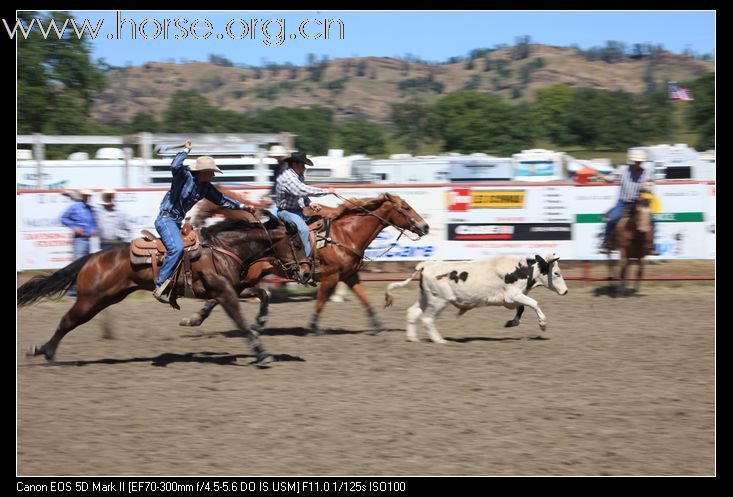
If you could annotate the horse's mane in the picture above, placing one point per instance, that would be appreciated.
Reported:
(358, 205)
(227, 225)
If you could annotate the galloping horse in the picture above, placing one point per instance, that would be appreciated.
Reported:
(356, 223)
(632, 237)
(227, 251)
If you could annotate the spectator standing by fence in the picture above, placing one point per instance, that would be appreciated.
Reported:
(113, 223)
(82, 220)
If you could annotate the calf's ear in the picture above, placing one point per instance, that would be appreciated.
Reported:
(543, 265)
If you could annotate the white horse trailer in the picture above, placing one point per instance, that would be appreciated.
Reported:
(404, 168)
(679, 162)
(540, 165)
(480, 167)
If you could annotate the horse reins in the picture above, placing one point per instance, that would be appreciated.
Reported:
(245, 264)
(385, 222)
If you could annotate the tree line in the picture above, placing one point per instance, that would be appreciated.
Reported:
(57, 83)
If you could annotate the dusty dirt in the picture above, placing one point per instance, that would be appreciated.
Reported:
(613, 387)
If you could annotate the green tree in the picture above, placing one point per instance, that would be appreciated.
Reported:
(701, 113)
(144, 122)
(189, 112)
(522, 49)
(362, 137)
(55, 77)
(550, 113)
(313, 126)
(654, 117)
(598, 117)
(469, 121)
(411, 121)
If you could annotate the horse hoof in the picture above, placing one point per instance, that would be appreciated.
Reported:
(264, 358)
(511, 324)
(35, 350)
(319, 332)
(412, 339)
(543, 327)
(442, 340)
(189, 322)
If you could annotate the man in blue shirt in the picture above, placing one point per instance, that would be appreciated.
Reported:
(81, 218)
(189, 185)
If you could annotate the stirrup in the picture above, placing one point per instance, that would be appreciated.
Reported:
(159, 292)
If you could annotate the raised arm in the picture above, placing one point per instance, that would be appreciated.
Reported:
(177, 164)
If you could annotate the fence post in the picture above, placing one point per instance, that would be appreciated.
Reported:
(38, 154)
(586, 273)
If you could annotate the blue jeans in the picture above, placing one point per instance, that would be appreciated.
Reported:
(613, 216)
(297, 217)
(80, 248)
(169, 231)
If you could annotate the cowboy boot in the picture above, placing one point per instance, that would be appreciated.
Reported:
(651, 250)
(605, 246)
(160, 294)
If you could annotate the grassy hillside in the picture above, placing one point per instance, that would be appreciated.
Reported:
(364, 87)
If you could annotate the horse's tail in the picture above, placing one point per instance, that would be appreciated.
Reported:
(388, 298)
(53, 286)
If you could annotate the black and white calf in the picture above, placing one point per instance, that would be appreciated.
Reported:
(503, 280)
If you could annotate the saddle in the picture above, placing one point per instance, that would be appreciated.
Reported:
(151, 250)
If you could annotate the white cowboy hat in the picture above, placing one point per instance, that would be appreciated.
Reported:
(637, 156)
(278, 151)
(205, 163)
(86, 191)
(107, 195)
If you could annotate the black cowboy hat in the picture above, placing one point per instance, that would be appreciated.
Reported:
(299, 157)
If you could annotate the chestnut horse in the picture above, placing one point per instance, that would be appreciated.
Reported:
(633, 238)
(356, 223)
(227, 251)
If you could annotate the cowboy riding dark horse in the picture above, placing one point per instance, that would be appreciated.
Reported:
(630, 227)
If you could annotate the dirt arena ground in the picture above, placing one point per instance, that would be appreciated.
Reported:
(613, 387)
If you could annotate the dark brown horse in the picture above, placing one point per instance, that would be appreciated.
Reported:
(633, 238)
(107, 277)
(356, 223)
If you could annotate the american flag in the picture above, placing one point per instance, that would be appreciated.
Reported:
(677, 93)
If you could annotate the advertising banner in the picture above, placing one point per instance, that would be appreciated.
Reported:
(466, 222)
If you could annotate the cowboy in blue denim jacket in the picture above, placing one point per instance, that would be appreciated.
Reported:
(189, 185)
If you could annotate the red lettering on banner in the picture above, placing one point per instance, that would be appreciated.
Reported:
(460, 199)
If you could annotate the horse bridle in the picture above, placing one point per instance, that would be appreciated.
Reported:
(285, 267)
(244, 264)
(413, 223)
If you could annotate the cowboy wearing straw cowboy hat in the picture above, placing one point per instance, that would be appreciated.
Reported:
(292, 195)
(634, 180)
(113, 222)
(189, 185)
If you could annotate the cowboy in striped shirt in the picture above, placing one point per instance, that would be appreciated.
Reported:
(634, 179)
(292, 193)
